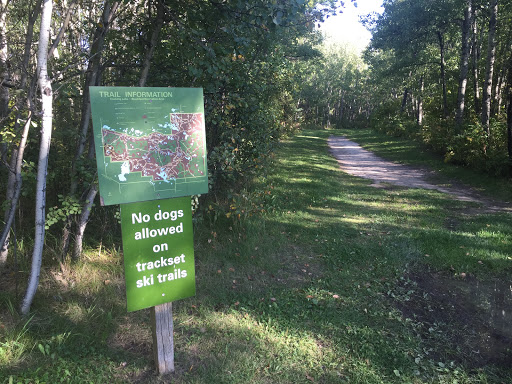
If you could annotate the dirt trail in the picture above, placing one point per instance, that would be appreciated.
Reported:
(472, 315)
(359, 162)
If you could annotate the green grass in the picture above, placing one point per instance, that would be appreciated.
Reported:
(333, 284)
(413, 153)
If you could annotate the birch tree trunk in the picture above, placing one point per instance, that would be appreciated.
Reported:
(464, 66)
(84, 219)
(491, 57)
(420, 101)
(45, 87)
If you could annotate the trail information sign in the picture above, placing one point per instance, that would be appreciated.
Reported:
(158, 252)
(151, 151)
(150, 143)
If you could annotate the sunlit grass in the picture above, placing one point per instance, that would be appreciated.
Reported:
(310, 291)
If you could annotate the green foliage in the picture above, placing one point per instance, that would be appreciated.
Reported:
(480, 151)
(249, 58)
(69, 205)
(384, 120)
(332, 87)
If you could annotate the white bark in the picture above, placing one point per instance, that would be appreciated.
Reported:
(84, 219)
(45, 87)
(420, 101)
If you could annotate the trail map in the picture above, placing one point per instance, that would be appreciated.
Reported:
(150, 143)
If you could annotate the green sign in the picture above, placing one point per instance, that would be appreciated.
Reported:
(158, 252)
(150, 143)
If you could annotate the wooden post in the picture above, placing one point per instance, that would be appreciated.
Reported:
(163, 338)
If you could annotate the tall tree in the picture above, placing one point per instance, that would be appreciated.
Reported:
(45, 87)
(464, 63)
(491, 58)
(442, 68)
(509, 113)
(475, 48)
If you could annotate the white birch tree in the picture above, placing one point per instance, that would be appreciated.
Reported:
(45, 88)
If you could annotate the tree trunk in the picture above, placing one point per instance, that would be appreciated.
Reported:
(4, 72)
(509, 128)
(464, 65)
(4, 112)
(404, 100)
(87, 204)
(509, 112)
(491, 57)
(443, 73)
(159, 22)
(92, 72)
(476, 58)
(498, 95)
(65, 24)
(14, 177)
(45, 87)
(420, 101)
(13, 191)
(83, 220)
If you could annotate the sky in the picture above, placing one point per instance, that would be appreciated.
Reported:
(345, 27)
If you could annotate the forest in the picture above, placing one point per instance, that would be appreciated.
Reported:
(436, 72)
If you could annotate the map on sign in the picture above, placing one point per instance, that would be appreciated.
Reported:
(150, 143)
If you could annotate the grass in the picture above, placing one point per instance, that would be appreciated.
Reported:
(338, 282)
(414, 153)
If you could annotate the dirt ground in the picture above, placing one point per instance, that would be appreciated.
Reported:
(472, 317)
(362, 163)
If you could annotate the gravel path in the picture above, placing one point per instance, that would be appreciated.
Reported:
(359, 162)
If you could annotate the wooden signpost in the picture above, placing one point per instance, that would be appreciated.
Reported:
(163, 339)
(151, 157)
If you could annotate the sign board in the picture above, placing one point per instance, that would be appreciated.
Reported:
(158, 252)
(150, 143)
